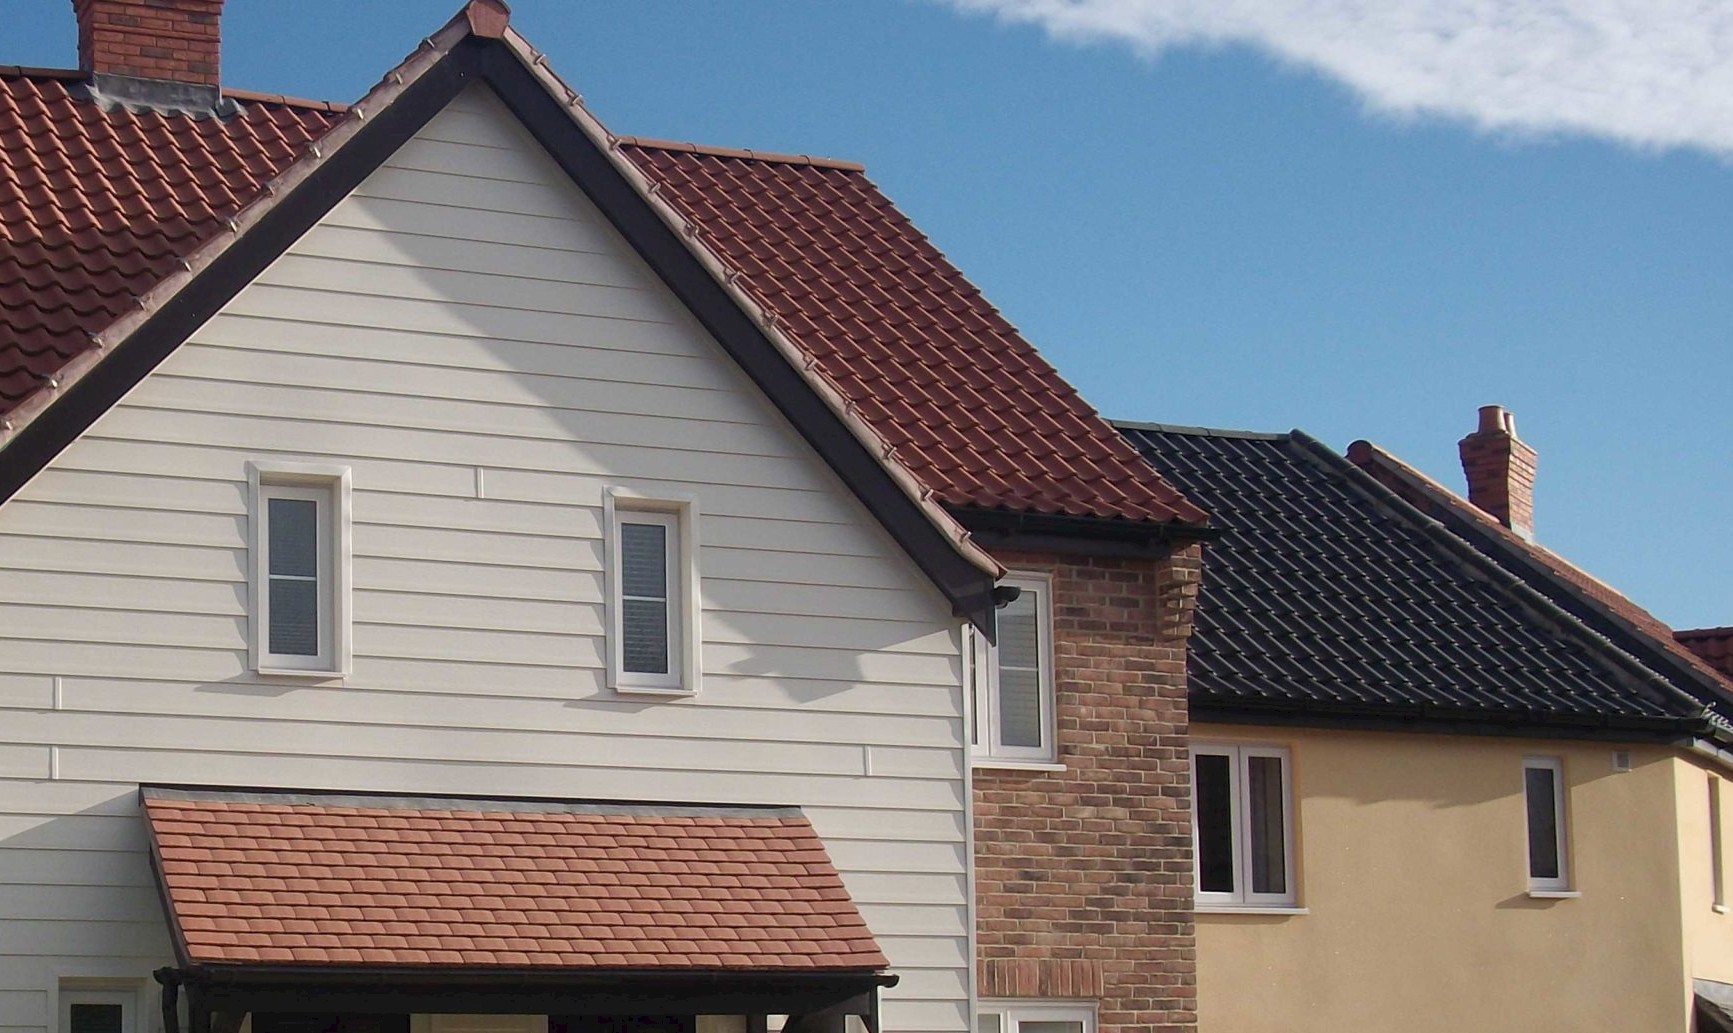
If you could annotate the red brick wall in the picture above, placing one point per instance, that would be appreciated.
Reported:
(179, 40)
(1084, 876)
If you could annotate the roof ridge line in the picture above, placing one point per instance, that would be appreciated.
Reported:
(650, 143)
(337, 107)
(40, 73)
(1721, 632)
(1205, 432)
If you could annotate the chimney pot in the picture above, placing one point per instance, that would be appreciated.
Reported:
(1501, 470)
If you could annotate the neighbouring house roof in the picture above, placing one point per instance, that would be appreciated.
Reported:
(1327, 595)
(98, 208)
(1714, 646)
(975, 412)
(364, 880)
(1601, 607)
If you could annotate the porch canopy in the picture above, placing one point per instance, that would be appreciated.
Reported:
(293, 901)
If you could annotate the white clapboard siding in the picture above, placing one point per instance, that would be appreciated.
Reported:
(468, 335)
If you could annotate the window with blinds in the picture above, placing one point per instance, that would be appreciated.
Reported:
(300, 569)
(652, 596)
(1014, 698)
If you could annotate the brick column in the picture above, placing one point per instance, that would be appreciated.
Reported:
(1084, 876)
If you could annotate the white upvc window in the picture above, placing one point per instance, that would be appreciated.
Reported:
(653, 597)
(1543, 782)
(98, 1011)
(1242, 826)
(1033, 1016)
(301, 569)
(1013, 697)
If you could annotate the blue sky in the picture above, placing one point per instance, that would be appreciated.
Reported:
(1212, 235)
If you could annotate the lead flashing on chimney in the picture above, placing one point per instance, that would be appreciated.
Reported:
(136, 95)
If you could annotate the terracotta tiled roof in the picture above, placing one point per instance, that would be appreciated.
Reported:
(365, 880)
(96, 207)
(1429, 495)
(972, 410)
(1713, 645)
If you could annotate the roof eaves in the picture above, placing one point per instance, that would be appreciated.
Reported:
(1503, 552)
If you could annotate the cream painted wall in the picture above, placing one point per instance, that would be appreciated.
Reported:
(1708, 933)
(1412, 866)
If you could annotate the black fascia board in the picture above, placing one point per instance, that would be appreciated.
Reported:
(1427, 719)
(472, 59)
(969, 588)
(513, 990)
(1077, 535)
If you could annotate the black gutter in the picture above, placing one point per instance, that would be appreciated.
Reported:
(1076, 535)
(1425, 718)
(521, 990)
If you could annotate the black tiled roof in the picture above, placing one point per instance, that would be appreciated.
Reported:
(1326, 593)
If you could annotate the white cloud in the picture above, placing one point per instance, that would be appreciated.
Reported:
(1654, 73)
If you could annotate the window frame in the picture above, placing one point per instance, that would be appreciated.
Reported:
(1243, 896)
(679, 514)
(983, 661)
(1561, 826)
(330, 489)
(1018, 1009)
(126, 996)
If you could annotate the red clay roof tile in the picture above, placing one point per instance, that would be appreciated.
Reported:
(97, 207)
(969, 407)
(393, 882)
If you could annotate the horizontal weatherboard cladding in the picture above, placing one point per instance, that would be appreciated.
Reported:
(832, 675)
(1326, 595)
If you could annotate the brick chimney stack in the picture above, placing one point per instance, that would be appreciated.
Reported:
(1500, 469)
(173, 41)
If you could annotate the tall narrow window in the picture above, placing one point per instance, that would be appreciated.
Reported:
(652, 571)
(1544, 796)
(1717, 859)
(300, 544)
(1014, 697)
(1242, 825)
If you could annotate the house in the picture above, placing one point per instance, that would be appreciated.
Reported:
(470, 572)
(1431, 790)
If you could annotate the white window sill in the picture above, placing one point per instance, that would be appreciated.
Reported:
(1719, 909)
(1555, 894)
(311, 674)
(651, 690)
(1234, 909)
(1001, 764)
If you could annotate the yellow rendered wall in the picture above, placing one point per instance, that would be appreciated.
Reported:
(1413, 867)
(1708, 933)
